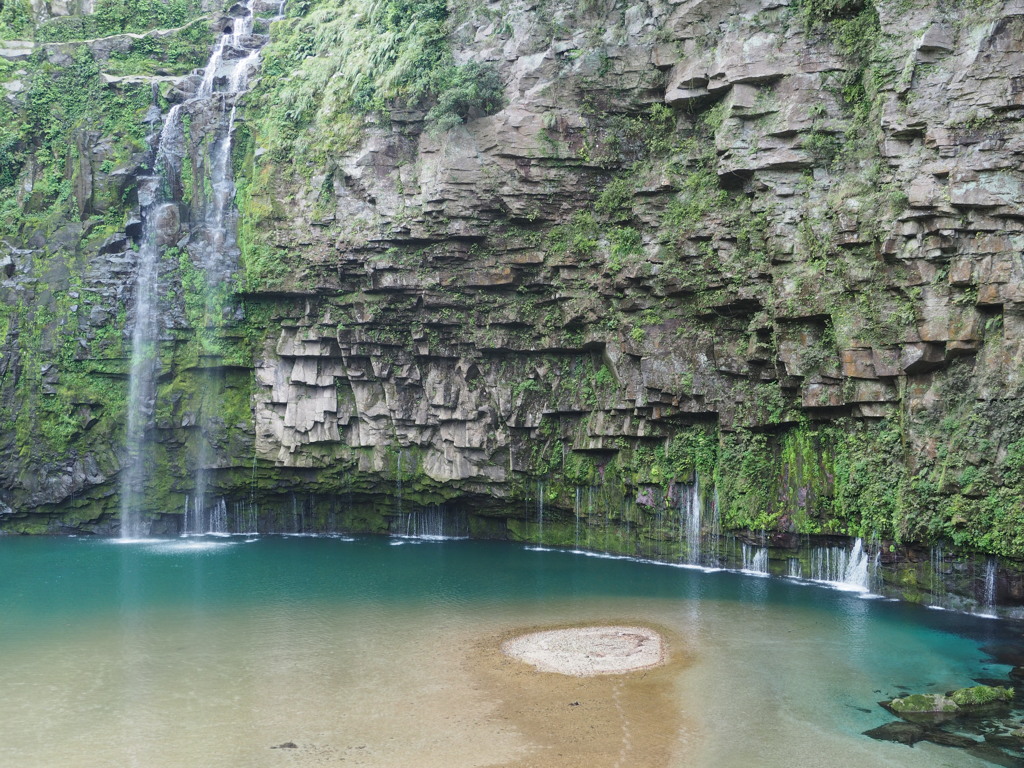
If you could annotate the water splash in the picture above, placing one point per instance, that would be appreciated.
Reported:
(843, 569)
(755, 560)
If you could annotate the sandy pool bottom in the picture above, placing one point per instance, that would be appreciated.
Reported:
(394, 688)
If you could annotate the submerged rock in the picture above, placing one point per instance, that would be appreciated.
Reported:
(899, 732)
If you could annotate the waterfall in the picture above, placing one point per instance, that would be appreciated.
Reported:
(796, 569)
(938, 586)
(211, 242)
(244, 518)
(398, 483)
(846, 570)
(755, 560)
(540, 513)
(434, 522)
(991, 569)
(690, 530)
(577, 504)
(158, 218)
(201, 519)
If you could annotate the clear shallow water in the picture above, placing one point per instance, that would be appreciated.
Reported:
(210, 651)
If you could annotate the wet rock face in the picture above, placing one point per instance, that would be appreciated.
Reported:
(795, 234)
(732, 256)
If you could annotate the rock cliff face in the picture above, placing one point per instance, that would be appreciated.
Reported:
(773, 246)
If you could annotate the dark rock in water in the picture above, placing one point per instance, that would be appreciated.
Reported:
(1017, 673)
(899, 732)
(946, 739)
(994, 755)
(286, 745)
(1012, 740)
(1006, 653)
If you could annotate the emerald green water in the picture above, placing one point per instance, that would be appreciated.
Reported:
(208, 652)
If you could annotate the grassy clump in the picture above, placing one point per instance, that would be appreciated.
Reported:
(981, 694)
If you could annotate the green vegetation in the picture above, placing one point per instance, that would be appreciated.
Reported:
(176, 54)
(61, 100)
(16, 20)
(343, 60)
(114, 17)
(979, 695)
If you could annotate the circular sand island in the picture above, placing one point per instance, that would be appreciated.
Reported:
(588, 651)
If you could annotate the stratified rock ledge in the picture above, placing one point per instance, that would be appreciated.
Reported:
(589, 651)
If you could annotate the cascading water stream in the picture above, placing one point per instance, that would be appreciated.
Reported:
(144, 363)
(846, 570)
(755, 560)
(211, 243)
(540, 513)
(989, 597)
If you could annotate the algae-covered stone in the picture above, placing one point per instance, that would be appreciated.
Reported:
(923, 702)
(981, 694)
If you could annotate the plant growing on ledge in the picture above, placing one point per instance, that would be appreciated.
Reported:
(472, 90)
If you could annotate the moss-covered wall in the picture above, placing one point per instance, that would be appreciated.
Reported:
(489, 249)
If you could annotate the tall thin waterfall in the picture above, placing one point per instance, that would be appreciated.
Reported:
(577, 508)
(213, 245)
(540, 513)
(690, 524)
(211, 242)
(989, 597)
(159, 219)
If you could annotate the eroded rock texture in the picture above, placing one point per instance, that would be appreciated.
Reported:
(770, 244)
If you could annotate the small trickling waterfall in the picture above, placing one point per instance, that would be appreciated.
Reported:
(989, 595)
(796, 569)
(398, 483)
(246, 517)
(201, 518)
(755, 560)
(842, 568)
(210, 241)
(432, 522)
(938, 584)
(540, 513)
(213, 244)
(690, 529)
(577, 510)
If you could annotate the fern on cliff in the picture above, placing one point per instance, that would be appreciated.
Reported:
(347, 58)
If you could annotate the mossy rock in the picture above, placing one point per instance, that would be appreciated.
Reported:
(981, 694)
(923, 703)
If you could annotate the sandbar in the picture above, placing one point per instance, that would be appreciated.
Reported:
(589, 651)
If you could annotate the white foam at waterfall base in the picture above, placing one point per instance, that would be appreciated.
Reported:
(842, 570)
(755, 560)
